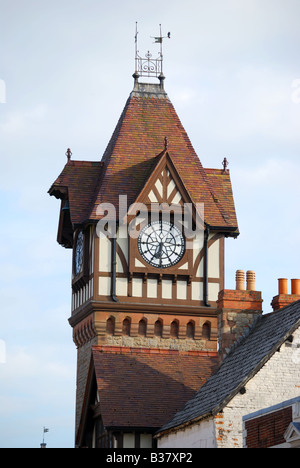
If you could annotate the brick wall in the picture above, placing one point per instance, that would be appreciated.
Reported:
(277, 381)
(237, 311)
(267, 430)
(83, 362)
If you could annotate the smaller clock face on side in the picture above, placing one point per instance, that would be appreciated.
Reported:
(79, 253)
(161, 244)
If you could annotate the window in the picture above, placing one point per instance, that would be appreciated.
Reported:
(132, 440)
(145, 441)
(129, 440)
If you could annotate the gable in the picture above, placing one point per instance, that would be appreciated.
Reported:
(292, 433)
(164, 190)
(164, 185)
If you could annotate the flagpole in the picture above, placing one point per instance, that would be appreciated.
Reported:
(43, 445)
(136, 44)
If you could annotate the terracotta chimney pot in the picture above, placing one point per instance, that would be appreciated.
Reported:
(296, 286)
(282, 286)
(240, 280)
(250, 280)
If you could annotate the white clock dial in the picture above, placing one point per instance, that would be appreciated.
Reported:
(161, 244)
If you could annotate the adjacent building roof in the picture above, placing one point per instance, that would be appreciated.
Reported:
(169, 379)
(244, 361)
(132, 153)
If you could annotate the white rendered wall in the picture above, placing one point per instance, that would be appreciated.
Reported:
(197, 436)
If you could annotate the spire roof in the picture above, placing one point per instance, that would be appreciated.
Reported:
(147, 120)
(139, 139)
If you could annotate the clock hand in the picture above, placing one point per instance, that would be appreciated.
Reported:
(155, 233)
(158, 251)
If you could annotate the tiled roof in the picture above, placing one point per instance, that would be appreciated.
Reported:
(132, 154)
(220, 181)
(146, 387)
(244, 361)
(78, 182)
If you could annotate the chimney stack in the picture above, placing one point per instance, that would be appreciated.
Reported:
(240, 280)
(284, 298)
(282, 286)
(296, 286)
(250, 281)
(237, 309)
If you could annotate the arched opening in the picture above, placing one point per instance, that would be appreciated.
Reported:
(110, 326)
(142, 327)
(126, 327)
(206, 330)
(174, 330)
(190, 330)
(158, 328)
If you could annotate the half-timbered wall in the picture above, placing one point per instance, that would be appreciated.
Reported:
(160, 287)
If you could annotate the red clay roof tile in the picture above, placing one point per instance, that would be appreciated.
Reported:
(130, 158)
(78, 182)
(169, 381)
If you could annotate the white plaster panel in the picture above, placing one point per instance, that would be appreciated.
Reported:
(137, 287)
(152, 288)
(213, 291)
(181, 290)
(104, 286)
(104, 254)
(214, 260)
(167, 289)
(197, 291)
(121, 286)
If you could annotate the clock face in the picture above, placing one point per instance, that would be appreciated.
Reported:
(79, 253)
(161, 244)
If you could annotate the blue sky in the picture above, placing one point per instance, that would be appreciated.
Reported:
(233, 75)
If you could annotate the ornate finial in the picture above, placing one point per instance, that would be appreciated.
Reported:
(225, 165)
(69, 154)
(166, 143)
(148, 66)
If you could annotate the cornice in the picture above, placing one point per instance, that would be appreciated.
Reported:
(103, 306)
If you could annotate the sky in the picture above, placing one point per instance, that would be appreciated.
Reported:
(233, 75)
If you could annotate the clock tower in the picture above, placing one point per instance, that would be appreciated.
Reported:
(147, 226)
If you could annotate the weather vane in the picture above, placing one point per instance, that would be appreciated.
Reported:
(149, 66)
